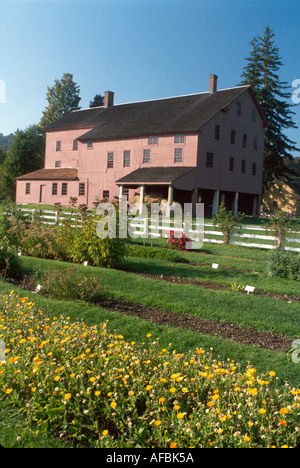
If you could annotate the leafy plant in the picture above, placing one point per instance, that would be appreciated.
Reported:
(178, 243)
(284, 265)
(70, 285)
(237, 287)
(9, 260)
(280, 223)
(226, 221)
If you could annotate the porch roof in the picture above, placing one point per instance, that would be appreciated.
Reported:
(154, 175)
(51, 174)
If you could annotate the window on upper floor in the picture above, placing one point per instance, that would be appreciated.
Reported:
(126, 159)
(209, 159)
(254, 168)
(152, 140)
(231, 164)
(217, 132)
(255, 144)
(58, 146)
(81, 191)
(243, 166)
(232, 137)
(90, 144)
(57, 164)
(110, 160)
(245, 140)
(238, 109)
(105, 194)
(75, 145)
(178, 155)
(253, 115)
(64, 188)
(146, 156)
(179, 139)
(27, 188)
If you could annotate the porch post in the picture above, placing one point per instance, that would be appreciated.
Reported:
(142, 198)
(254, 207)
(215, 208)
(170, 198)
(121, 191)
(236, 205)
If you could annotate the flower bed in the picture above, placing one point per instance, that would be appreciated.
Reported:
(93, 387)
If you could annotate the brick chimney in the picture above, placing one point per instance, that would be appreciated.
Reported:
(108, 98)
(213, 83)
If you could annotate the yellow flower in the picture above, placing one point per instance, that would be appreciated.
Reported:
(149, 387)
(272, 374)
(57, 378)
(172, 390)
(262, 411)
(284, 411)
(67, 396)
(105, 432)
(177, 407)
(149, 335)
(180, 416)
(97, 393)
(113, 404)
(131, 393)
(247, 439)
(184, 390)
(158, 423)
(173, 445)
(8, 391)
(33, 389)
(92, 379)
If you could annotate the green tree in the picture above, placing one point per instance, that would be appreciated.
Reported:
(63, 97)
(262, 73)
(26, 154)
(227, 222)
(97, 101)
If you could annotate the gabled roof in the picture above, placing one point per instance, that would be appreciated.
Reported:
(51, 174)
(154, 175)
(183, 114)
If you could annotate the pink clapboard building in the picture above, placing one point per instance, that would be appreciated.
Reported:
(204, 147)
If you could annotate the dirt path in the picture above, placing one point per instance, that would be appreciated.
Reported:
(230, 331)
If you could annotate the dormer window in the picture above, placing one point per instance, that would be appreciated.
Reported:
(90, 144)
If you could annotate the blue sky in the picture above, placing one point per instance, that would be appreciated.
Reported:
(140, 49)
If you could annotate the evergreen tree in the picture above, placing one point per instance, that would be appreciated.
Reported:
(261, 72)
(97, 101)
(62, 98)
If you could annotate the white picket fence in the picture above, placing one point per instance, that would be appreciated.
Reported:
(153, 229)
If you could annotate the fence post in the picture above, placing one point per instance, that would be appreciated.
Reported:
(56, 218)
(33, 215)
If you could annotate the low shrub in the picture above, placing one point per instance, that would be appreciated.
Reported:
(83, 244)
(90, 386)
(154, 252)
(284, 265)
(9, 260)
(67, 284)
(179, 243)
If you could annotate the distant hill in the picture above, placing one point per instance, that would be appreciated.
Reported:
(6, 141)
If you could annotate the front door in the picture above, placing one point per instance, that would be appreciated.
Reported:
(42, 193)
